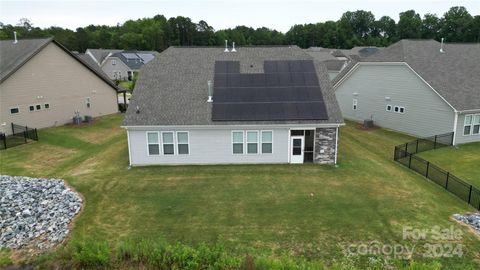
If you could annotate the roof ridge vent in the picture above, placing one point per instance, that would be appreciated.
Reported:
(441, 46)
(233, 47)
(226, 46)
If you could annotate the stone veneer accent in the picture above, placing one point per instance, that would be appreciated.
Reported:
(325, 141)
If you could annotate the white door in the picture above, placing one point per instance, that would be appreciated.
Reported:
(296, 152)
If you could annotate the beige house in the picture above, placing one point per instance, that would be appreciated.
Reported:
(42, 84)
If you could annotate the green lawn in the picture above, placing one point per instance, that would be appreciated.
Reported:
(463, 161)
(307, 210)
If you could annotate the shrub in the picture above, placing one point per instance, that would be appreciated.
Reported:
(89, 254)
(5, 254)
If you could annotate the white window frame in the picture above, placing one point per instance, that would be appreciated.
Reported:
(396, 109)
(471, 125)
(88, 102)
(114, 62)
(243, 142)
(391, 107)
(36, 107)
(29, 106)
(258, 141)
(261, 142)
(475, 116)
(400, 110)
(158, 143)
(16, 107)
(45, 106)
(355, 104)
(163, 143)
(188, 143)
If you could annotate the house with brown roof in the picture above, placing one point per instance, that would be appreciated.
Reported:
(419, 87)
(43, 84)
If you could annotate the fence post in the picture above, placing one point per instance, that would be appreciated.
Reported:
(406, 148)
(453, 136)
(25, 136)
(13, 130)
(410, 160)
(36, 135)
(435, 143)
(470, 194)
(428, 166)
(416, 150)
(446, 182)
(4, 141)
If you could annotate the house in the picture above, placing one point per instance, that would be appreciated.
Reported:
(419, 87)
(120, 65)
(43, 84)
(336, 59)
(195, 105)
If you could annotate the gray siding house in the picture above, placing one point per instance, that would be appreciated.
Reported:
(43, 84)
(421, 88)
(253, 105)
(119, 64)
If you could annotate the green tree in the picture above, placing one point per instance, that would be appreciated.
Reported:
(430, 26)
(457, 25)
(409, 25)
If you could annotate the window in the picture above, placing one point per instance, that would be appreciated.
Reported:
(471, 125)
(31, 108)
(476, 125)
(114, 62)
(153, 144)
(389, 108)
(252, 142)
(237, 142)
(396, 109)
(168, 143)
(267, 142)
(46, 106)
(182, 143)
(14, 110)
(402, 109)
(38, 107)
(355, 104)
(88, 102)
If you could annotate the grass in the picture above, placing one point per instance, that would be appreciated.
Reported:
(462, 161)
(273, 210)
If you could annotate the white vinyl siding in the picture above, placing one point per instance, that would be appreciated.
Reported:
(211, 146)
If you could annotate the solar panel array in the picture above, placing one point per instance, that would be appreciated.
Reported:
(287, 90)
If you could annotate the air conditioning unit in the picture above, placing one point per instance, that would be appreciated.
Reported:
(368, 123)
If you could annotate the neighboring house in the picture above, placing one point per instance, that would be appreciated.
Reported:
(336, 59)
(120, 65)
(416, 87)
(43, 84)
(268, 105)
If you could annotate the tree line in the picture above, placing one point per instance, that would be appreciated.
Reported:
(354, 28)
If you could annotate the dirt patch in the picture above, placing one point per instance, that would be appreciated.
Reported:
(99, 136)
(362, 128)
(39, 160)
(86, 167)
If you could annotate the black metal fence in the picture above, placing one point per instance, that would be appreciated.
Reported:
(405, 155)
(20, 135)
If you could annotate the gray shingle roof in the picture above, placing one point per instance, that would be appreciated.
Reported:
(88, 60)
(15, 55)
(454, 74)
(101, 54)
(172, 88)
(135, 61)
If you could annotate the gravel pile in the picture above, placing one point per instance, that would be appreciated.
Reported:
(35, 212)
(471, 219)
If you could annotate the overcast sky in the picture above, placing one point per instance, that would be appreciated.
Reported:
(275, 14)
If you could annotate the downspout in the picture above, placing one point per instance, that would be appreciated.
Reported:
(336, 145)
(455, 123)
(129, 150)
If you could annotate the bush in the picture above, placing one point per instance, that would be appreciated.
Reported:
(89, 254)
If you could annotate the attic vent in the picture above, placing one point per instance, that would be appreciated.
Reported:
(441, 46)
(210, 91)
(233, 47)
(226, 46)
(15, 41)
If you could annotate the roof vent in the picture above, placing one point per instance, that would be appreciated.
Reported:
(233, 47)
(210, 91)
(226, 46)
(15, 41)
(137, 109)
(441, 47)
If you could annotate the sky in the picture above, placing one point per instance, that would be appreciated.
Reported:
(274, 14)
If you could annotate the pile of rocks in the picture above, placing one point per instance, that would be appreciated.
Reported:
(471, 219)
(35, 212)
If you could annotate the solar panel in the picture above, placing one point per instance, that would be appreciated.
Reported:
(288, 90)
